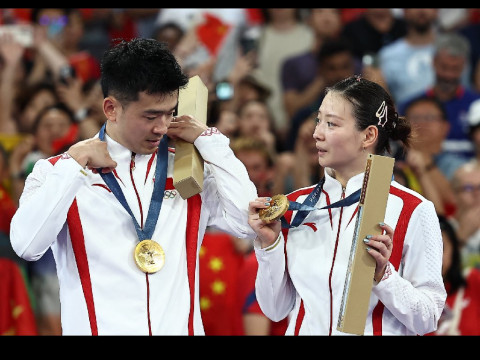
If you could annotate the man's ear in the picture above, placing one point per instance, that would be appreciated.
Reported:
(110, 108)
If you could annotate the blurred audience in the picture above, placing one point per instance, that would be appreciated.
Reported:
(255, 120)
(466, 183)
(461, 314)
(450, 62)
(426, 165)
(372, 30)
(406, 63)
(283, 35)
(302, 83)
(335, 61)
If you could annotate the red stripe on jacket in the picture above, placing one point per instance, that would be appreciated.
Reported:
(410, 202)
(288, 216)
(193, 221)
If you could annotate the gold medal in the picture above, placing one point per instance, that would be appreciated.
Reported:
(149, 256)
(278, 206)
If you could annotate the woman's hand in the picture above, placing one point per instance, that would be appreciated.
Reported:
(380, 248)
(267, 233)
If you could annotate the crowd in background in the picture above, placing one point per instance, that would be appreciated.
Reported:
(266, 71)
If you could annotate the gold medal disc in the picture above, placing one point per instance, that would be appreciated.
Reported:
(149, 256)
(278, 207)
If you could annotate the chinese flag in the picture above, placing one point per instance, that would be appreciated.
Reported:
(16, 314)
(219, 266)
(212, 32)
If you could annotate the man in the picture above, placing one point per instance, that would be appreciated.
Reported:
(335, 61)
(125, 242)
(406, 63)
(450, 62)
(301, 82)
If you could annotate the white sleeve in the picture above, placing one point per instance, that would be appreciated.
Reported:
(273, 287)
(47, 196)
(227, 188)
(416, 294)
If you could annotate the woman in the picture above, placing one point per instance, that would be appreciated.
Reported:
(461, 315)
(302, 268)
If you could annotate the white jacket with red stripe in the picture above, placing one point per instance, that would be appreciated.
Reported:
(102, 291)
(303, 274)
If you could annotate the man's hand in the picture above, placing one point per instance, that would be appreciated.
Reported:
(93, 154)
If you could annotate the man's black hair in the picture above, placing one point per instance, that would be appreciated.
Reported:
(140, 65)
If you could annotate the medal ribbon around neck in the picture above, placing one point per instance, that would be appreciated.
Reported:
(158, 189)
(312, 198)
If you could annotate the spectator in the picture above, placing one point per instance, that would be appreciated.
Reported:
(53, 129)
(210, 42)
(12, 76)
(261, 169)
(450, 61)
(258, 160)
(474, 128)
(223, 258)
(169, 32)
(335, 61)
(253, 320)
(426, 163)
(256, 121)
(461, 314)
(300, 79)
(372, 30)
(7, 205)
(466, 183)
(406, 63)
(298, 168)
(283, 35)
(30, 101)
(220, 115)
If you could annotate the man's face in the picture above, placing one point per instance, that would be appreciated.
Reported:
(448, 71)
(337, 67)
(141, 124)
(428, 125)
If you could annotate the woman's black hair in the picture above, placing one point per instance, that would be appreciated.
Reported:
(140, 65)
(372, 105)
(454, 275)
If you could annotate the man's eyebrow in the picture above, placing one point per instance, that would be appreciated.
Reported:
(156, 112)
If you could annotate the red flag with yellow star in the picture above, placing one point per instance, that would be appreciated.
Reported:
(212, 32)
(16, 314)
(219, 266)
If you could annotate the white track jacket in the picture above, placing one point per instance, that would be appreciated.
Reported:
(303, 274)
(102, 291)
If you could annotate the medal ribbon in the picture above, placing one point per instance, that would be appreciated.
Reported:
(158, 189)
(312, 198)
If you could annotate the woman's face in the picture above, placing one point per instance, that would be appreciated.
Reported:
(53, 125)
(338, 141)
(254, 119)
(39, 101)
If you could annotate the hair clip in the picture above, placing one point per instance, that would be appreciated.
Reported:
(382, 113)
